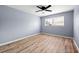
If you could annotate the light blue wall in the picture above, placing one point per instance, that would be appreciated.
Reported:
(15, 24)
(67, 30)
(76, 24)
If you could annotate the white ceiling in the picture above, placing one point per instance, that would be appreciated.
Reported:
(32, 8)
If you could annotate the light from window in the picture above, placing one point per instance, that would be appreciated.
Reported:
(56, 21)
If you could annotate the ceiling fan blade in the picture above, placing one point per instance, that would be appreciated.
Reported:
(49, 10)
(48, 6)
(39, 10)
(39, 7)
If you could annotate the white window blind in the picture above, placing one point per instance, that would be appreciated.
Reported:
(56, 21)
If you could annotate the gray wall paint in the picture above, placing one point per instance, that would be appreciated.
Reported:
(15, 24)
(76, 24)
(67, 30)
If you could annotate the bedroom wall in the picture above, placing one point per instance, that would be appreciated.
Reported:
(76, 25)
(17, 24)
(66, 30)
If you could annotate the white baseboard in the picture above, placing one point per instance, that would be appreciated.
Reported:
(57, 35)
(17, 39)
(76, 46)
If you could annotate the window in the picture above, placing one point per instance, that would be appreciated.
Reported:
(56, 21)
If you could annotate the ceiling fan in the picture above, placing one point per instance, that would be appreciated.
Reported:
(44, 8)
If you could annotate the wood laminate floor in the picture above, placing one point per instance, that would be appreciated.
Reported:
(40, 44)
